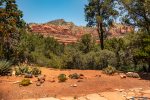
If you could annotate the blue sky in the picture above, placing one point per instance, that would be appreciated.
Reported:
(41, 11)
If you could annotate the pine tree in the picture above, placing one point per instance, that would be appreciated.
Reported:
(100, 13)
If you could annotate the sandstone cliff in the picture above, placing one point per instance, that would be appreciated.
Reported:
(67, 32)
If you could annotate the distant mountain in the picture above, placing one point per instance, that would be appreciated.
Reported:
(60, 22)
(68, 32)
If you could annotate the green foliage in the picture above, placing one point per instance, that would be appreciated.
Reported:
(11, 26)
(86, 44)
(74, 76)
(100, 13)
(5, 67)
(137, 13)
(117, 46)
(40, 50)
(109, 70)
(36, 71)
(62, 78)
(25, 82)
(25, 69)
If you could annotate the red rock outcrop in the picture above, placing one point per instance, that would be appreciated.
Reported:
(67, 32)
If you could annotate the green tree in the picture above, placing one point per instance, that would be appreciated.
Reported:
(11, 23)
(116, 45)
(138, 13)
(100, 13)
(86, 44)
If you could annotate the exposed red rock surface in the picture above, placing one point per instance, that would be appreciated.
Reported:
(67, 32)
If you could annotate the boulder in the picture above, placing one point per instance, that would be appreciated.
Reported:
(132, 74)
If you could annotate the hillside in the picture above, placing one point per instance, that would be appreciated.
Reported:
(68, 32)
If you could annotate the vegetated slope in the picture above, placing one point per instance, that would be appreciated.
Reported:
(68, 32)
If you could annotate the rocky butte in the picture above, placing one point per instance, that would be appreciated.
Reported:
(68, 32)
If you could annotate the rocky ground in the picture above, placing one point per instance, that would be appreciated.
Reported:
(93, 86)
(118, 94)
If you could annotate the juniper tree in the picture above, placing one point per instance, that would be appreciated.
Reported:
(11, 23)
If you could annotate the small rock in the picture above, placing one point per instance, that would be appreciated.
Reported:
(28, 76)
(41, 81)
(81, 75)
(41, 77)
(13, 73)
(129, 98)
(95, 97)
(79, 81)
(52, 81)
(82, 98)
(122, 76)
(116, 89)
(121, 90)
(38, 84)
(16, 82)
(131, 94)
(31, 82)
(97, 75)
(74, 85)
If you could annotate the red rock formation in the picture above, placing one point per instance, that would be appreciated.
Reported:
(66, 32)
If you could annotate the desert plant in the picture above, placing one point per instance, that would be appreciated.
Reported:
(109, 70)
(74, 76)
(62, 78)
(5, 67)
(36, 71)
(25, 82)
(23, 69)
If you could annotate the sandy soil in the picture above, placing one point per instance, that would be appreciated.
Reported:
(90, 84)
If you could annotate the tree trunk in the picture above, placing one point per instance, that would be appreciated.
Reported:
(100, 33)
(148, 67)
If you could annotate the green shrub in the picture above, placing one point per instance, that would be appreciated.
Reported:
(74, 76)
(25, 82)
(36, 71)
(62, 78)
(5, 67)
(23, 69)
(109, 70)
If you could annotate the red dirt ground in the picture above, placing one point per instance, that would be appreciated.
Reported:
(90, 84)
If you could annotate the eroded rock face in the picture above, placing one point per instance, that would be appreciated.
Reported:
(67, 32)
